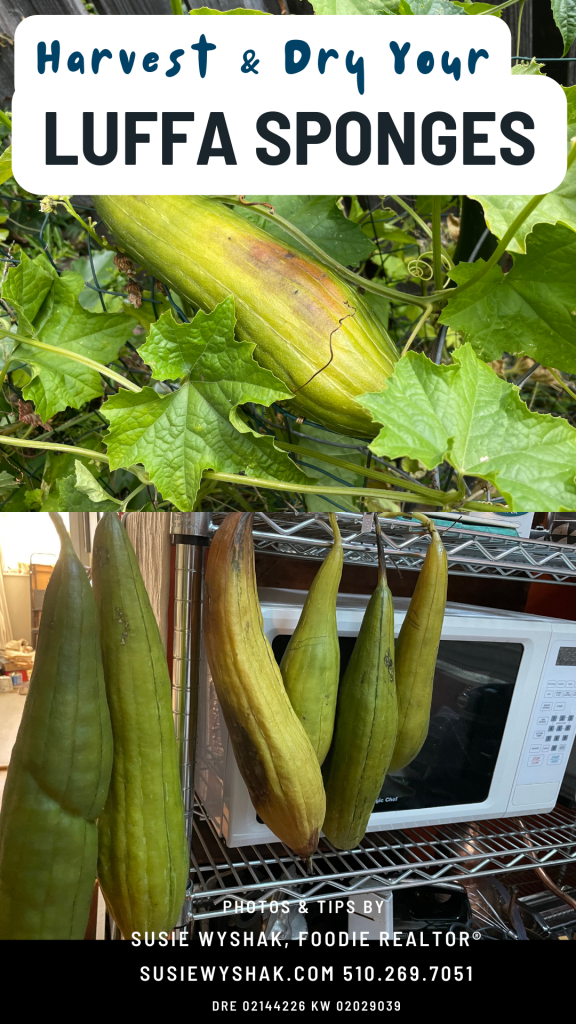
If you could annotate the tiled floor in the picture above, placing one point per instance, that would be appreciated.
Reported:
(11, 709)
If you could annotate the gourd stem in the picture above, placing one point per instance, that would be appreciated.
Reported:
(382, 575)
(59, 524)
(430, 526)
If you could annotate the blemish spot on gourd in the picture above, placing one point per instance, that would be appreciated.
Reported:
(250, 764)
(123, 621)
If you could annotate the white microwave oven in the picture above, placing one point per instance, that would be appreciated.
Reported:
(502, 722)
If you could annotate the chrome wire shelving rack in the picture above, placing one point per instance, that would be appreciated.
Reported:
(383, 861)
(471, 551)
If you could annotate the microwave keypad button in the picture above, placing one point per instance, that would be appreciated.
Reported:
(542, 721)
(554, 748)
(559, 728)
(566, 728)
(562, 718)
(570, 718)
(534, 760)
(560, 707)
(535, 749)
(558, 693)
(562, 746)
(539, 734)
(554, 758)
(554, 718)
(547, 707)
(546, 746)
(567, 693)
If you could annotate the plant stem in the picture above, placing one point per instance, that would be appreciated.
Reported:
(176, 6)
(348, 275)
(12, 429)
(99, 367)
(87, 227)
(437, 241)
(520, 13)
(124, 504)
(16, 442)
(406, 206)
(420, 490)
(5, 119)
(484, 506)
(501, 7)
(279, 485)
(562, 383)
(421, 321)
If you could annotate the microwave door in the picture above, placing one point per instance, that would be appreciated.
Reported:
(473, 688)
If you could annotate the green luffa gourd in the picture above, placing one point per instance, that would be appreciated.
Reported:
(310, 328)
(143, 862)
(366, 722)
(59, 772)
(311, 664)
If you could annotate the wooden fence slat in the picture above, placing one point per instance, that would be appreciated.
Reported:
(12, 11)
(133, 6)
(228, 5)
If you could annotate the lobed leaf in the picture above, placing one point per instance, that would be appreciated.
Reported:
(47, 305)
(177, 436)
(532, 309)
(466, 414)
(558, 205)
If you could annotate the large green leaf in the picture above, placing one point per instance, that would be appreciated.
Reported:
(477, 8)
(429, 7)
(525, 67)
(531, 309)
(558, 205)
(321, 220)
(48, 305)
(178, 435)
(564, 12)
(466, 414)
(6, 165)
(355, 6)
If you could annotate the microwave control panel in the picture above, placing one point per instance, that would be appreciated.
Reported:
(553, 723)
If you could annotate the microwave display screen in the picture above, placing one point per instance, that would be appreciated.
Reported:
(566, 656)
(473, 687)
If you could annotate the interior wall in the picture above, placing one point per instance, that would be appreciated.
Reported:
(19, 608)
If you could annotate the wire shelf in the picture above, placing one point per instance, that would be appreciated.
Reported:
(383, 861)
(470, 552)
